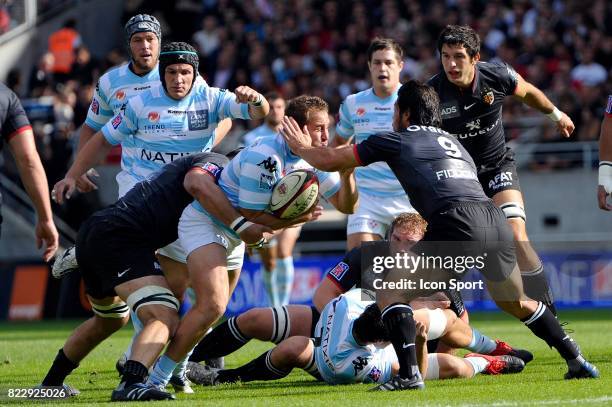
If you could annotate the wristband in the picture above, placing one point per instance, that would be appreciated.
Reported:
(257, 245)
(605, 175)
(237, 223)
(555, 115)
(241, 228)
(258, 102)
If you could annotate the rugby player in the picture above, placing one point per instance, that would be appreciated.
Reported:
(247, 181)
(170, 120)
(280, 323)
(471, 95)
(115, 249)
(440, 177)
(277, 254)
(604, 189)
(349, 347)
(362, 115)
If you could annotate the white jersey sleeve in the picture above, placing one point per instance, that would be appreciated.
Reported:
(345, 128)
(123, 125)
(259, 173)
(100, 111)
(329, 183)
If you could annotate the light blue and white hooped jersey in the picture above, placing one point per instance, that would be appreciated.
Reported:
(339, 358)
(362, 115)
(113, 90)
(249, 177)
(262, 131)
(154, 129)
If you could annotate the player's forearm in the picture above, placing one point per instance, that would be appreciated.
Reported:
(92, 154)
(222, 130)
(260, 110)
(34, 180)
(323, 158)
(536, 99)
(85, 134)
(421, 353)
(347, 195)
(605, 140)
(269, 220)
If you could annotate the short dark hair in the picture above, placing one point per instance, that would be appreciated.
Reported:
(300, 107)
(379, 43)
(421, 101)
(369, 327)
(272, 96)
(460, 35)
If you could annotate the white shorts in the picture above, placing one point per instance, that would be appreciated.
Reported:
(197, 229)
(175, 251)
(375, 214)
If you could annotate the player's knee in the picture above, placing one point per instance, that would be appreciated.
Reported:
(155, 303)
(107, 326)
(214, 305)
(252, 322)
(269, 264)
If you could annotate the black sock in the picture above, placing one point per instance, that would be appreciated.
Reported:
(536, 287)
(544, 324)
(257, 369)
(134, 372)
(60, 369)
(221, 341)
(402, 330)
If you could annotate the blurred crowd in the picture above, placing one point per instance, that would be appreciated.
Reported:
(319, 47)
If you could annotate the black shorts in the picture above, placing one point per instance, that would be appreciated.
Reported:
(475, 233)
(109, 254)
(499, 176)
(315, 319)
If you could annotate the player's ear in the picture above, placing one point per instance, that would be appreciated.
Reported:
(476, 57)
(406, 118)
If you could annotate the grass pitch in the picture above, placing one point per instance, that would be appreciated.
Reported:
(27, 350)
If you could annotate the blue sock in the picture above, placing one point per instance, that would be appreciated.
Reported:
(481, 343)
(284, 279)
(270, 286)
(137, 329)
(186, 305)
(181, 368)
(162, 372)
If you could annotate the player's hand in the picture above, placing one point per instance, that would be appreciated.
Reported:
(47, 233)
(313, 214)
(64, 187)
(421, 331)
(244, 94)
(295, 137)
(602, 198)
(255, 235)
(84, 183)
(565, 125)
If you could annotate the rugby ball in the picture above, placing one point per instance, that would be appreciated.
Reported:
(294, 194)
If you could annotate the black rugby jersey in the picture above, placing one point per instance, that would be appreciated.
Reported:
(431, 166)
(13, 118)
(152, 208)
(474, 115)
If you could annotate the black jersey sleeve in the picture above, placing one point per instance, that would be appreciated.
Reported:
(347, 273)
(378, 147)
(210, 163)
(14, 117)
(507, 78)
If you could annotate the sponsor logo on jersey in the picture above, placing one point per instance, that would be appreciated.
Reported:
(139, 88)
(198, 119)
(160, 156)
(473, 125)
(153, 117)
(95, 106)
(382, 109)
(212, 168)
(449, 110)
(179, 112)
(375, 374)
(478, 131)
(339, 270)
(503, 179)
(116, 121)
(266, 181)
(359, 363)
(360, 111)
(268, 164)
(120, 95)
